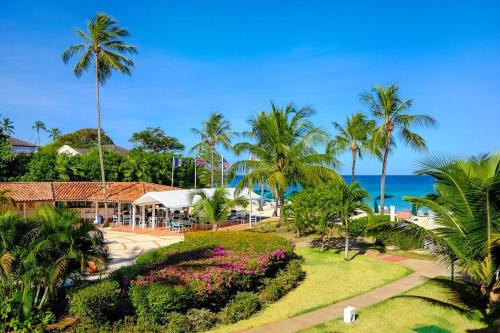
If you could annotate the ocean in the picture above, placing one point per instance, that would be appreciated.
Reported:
(397, 186)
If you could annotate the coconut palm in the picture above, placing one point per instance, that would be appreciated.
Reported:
(393, 117)
(216, 207)
(284, 151)
(39, 126)
(55, 133)
(6, 127)
(102, 46)
(354, 136)
(466, 210)
(216, 130)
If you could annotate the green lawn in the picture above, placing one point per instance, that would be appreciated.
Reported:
(404, 315)
(329, 279)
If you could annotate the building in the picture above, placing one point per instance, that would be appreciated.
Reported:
(21, 147)
(66, 149)
(85, 197)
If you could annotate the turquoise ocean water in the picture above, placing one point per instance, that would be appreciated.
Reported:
(397, 186)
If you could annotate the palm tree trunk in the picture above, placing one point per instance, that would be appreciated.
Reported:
(346, 249)
(382, 178)
(281, 198)
(353, 178)
(38, 133)
(261, 201)
(212, 169)
(99, 144)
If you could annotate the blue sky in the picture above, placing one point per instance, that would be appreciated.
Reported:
(235, 56)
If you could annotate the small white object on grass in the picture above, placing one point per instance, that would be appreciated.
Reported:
(349, 314)
(392, 210)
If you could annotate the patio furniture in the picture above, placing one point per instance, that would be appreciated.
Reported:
(177, 226)
(126, 219)
(115, 219)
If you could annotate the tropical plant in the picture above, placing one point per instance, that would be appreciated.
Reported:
(102, 46)
(216, 130)
(284, 152)
(55, 133)
(39, 126)
(216, 207)
(155, 140)
(392, 115)
(6, 201)
(84, 138)
(6, 127)
(354, 136)
(466, 211)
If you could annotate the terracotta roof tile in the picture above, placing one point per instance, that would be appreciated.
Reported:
(29, 191)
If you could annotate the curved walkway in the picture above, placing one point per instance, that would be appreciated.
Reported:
(423, 270)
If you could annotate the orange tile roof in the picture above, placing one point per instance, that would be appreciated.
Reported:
(79, 191)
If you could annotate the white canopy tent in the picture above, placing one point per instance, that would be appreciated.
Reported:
(177, 199)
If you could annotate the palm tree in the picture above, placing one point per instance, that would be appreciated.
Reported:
(392, 114)
(214, 208)
(466, 210)
(283, 147)
(6, 127)
(102, 46)
(55, 133)
(216, 130)
(354, 136)
(39, 126)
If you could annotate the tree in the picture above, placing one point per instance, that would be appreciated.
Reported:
(39, 126)
(215, 131)
(155, 140)
(102, 46)
(466, 210)
(6, 157)
(6, 127)
(283, 147)
(355, 136)
(55, 133)
(216, 207)
(392, 114)
(6, 201)
(84, 138)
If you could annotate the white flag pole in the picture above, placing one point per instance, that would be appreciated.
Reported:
(195, 160)
(173, 163)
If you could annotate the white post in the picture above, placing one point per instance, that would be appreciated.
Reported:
(96, 210)
(195, 159)
(133, 217)
(392, 210)
(119, 212)
(251, 207)
(173, 160)
(222, 170)
(153, 221)
(143, 208)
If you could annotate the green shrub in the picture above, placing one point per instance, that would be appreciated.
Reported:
(95, 303)
(284, 281)
(201, 320)
(178, 323)
(244, 305)
(153, 302)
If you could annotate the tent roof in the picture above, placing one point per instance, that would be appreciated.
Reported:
(180, 198)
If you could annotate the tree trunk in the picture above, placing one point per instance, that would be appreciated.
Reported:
(281, 198)
(261, 201)
(382, 178)
(99, 144)
(346, 249)
(38, 133)
(353, 178)
(212, 169)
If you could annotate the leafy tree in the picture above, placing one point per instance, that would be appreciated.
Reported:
(55, 133)
(354, 136)
(466, 210)
(39, 126)
(216, 207)
(84, 138)
(6, 127)
(5, 158)
(284, 141)
(392, 114)
(102, 46)
(155, 140)
(42, 166)
(216, 130)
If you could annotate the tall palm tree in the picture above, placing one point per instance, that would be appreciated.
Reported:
(39, 126)
(216, 207)
(101, 45)
(55, 133)
(466, 210)
(392, 114)
(216, 130)
(6, 127)
(283, 144)
(355, 136)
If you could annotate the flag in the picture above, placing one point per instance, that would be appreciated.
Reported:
(201, 162)
(178, 162)
(226, 164)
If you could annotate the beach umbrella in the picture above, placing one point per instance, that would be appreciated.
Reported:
(375, 206)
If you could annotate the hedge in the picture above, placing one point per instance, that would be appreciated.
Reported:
(95, 303)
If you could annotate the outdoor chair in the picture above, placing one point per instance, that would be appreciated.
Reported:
(176, 226)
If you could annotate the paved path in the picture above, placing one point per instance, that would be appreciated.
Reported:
(423, 269)
(126, 246)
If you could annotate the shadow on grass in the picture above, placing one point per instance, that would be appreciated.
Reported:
(337, 244)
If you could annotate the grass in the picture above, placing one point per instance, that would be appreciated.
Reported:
(404, 315)
(329, 279)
